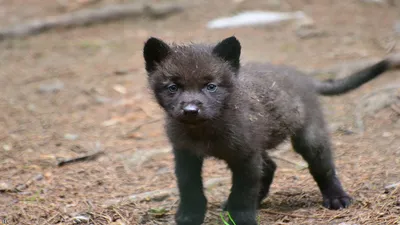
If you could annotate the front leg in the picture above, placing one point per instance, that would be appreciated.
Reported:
(193, 203)
(244, 197)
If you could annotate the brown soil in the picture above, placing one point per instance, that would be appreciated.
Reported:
(34, 126)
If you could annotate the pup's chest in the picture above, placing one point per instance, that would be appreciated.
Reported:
(208, 145)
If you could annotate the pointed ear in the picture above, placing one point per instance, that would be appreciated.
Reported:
(229, 50)
(154, 51)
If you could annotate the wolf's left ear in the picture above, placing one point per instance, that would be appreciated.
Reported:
(154, 51)
(229, 50)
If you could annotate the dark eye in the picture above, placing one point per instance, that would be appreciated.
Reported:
(173, 88)
(211, 87)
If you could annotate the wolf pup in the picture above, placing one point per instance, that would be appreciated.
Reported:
(214, 107)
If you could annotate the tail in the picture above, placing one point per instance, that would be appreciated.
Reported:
(344, 85)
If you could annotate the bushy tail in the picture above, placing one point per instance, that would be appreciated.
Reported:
(344, 85)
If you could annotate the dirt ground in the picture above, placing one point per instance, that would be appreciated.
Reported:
(103, 103)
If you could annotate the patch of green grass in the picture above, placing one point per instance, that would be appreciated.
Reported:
(158, 212)
(34, 198)
(230, 218)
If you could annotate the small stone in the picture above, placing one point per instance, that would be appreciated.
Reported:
(305, 22)
(163, 170)
(81, 218)
(51, 87)
(4, 187)
(397, 27)
(71, 137)
(21, 187)
(387, 134)
(120, 89)
(101, 99)
(7, 147)
(392, 186)
(38, 177)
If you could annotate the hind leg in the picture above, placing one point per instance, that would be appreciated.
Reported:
(268, 171)
(313, 143)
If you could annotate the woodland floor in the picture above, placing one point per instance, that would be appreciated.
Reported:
(104, 104)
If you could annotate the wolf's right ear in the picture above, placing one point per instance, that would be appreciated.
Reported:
(154, 51)
(229, 50)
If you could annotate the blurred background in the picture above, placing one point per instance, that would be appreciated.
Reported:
(82, 140)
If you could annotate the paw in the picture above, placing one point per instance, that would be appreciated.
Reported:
(335, 202)
(240, 217)
(189, 214)
(243, 218)
(189, 219)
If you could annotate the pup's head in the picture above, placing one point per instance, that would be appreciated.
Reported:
(192, 82)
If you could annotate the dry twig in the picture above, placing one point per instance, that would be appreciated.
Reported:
(80, 159)
(88, 17)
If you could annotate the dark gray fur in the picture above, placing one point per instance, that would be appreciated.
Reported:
(254, 108)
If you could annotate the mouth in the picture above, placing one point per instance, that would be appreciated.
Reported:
(192, 120)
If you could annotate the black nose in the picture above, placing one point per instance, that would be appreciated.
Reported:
(191, 110)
